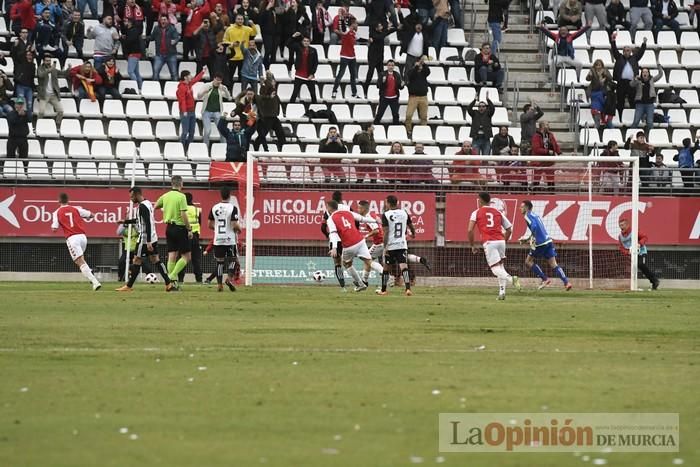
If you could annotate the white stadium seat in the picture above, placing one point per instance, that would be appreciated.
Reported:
(79, 149)
(54, 149)
(70, 128)
(46, 128)
(100, 149)
(174, 152)
(150, 151)
(38, 170)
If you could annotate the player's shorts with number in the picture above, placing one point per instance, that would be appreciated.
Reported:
(176, 236)
(495, 251)
(358, 250)
(142, 250)
(76, 245)
(545, 251)
(376, 251)
(399, 256)
(224, 251)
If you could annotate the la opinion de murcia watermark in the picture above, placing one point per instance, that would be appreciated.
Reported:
(559, 432)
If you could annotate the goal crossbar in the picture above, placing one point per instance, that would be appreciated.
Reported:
(252, 156)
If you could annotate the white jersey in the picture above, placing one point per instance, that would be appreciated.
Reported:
(395, 223)
(147, 222)
(223, 214)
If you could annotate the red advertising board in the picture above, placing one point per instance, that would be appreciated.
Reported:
(282, 215)
(667, 221)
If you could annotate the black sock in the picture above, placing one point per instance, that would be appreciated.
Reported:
(211, 276)
(385, 280)
(232, 270)
(236, 270)
(133, 274)
(160, 267)
(220, 273)
(406, 279)
(339, 275)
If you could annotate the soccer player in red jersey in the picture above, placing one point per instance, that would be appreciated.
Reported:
(342, 231)
(491, 223)
(70, 219)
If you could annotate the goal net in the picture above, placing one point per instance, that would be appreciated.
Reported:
(581, 201)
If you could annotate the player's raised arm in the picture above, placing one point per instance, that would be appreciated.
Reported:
(360, 218)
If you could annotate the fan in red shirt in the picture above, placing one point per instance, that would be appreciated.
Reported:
(347, 59)
(491, 223)
(70, 219)
(342, 230)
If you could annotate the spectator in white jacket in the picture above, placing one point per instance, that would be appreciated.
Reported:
(212, 95)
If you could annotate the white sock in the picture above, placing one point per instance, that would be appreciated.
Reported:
(378, 268)
(365, 275)
(85, 269)
(415, 259)
(500, 272)
(501, 286)
(353, 273)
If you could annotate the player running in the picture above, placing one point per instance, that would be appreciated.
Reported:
(541, 246)
(342, 231)
(491, 222)
(338, 198)
(178, 231)
(375, 234)
(396, 222)
(70, 219)
(223, 219)
(148, 241)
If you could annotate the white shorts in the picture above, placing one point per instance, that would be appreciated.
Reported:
(358, 250)
(495, 251)
(76, 245)
(376, 251)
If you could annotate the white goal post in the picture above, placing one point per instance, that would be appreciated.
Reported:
(291, 158)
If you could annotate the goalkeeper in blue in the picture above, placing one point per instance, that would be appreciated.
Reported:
(541, 246)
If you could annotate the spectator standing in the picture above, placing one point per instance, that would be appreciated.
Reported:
(364, 139)
(55, 12)
(414, 44)
(6, 88)
(212, 95)
(193, 21)
(664, 13)
(332, 143)
(596, 8)
(488, 67)
(295, 24)
(390, 84)
(18, 121)
(481, 125)
(347, 59)
(220, 22)
(48, 90)
(91, 4)
(85, 81)
(686, 162)
(132, 46)
(503, 144)
(375, 53)
(134, 13)
(424, 10)
(625, 70)
(110, 77)
(641, 150)
(598, 93)
(564, 51)
(441, 22)
(544, 143)
(458, 17)
(20, 47)
(570, 14)
(306, 63)
(236, 37)
(106, 39)
(250, 13)
(495, 18)
(166, 38)
(22, 15)
(528, 126)
(67, 10)
(186, 104)
(320, 20)
(253, 69)
(661, 175)
(610, 174)
(467, 171)
(645, 97)
(639, 10)
(268, 23)
(377, 11)
(341, 22)
(269, 106)
(24, 80)
(417, 84)
(617, 16)
(48, 37)
(236, 143)
(247, 111)
(205, 38)
(74, 34)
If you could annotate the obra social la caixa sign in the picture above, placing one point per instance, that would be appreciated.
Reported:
(559, 432)
(666, 220)
(283, 215)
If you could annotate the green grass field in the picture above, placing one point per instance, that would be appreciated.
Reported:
(311, 377)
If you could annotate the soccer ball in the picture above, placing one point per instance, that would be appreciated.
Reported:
(319, 276)
(151, 278)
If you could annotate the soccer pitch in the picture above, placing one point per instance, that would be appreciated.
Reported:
(308, 376)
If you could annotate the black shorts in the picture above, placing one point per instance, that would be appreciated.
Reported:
(225, 251)
(176, 236)
(142, 250)
(396, 256)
